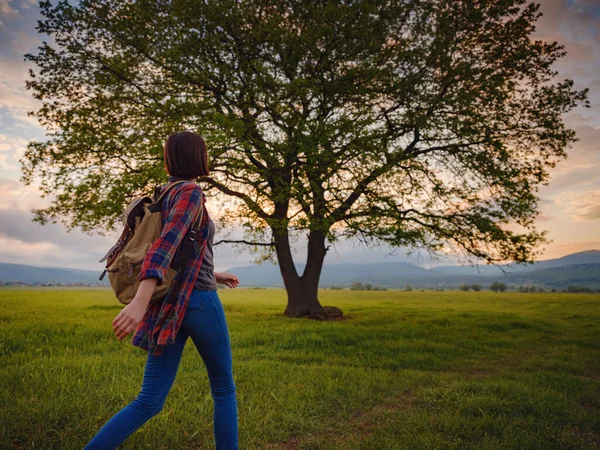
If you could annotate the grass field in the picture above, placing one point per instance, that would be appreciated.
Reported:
(406, 370)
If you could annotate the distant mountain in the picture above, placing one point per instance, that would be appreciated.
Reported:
(577, 274)
(581, 269)
(585, 257)
(33, 274)
(335, 274)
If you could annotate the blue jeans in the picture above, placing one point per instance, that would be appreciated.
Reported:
(205, 322)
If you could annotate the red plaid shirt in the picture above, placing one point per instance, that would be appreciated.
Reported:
(162, 320)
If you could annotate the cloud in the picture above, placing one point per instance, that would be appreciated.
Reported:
(6, 10)
(11, 149)
(18, 36)
(15, 99)
(588, 141)
(587, 176)
(28, 242)
(581, 168)
(559, 21)
(27, 4)
(50, 245)
(560, 249)
(576, 118)
(17, 196)
(581, 205)
(21, 249)
(576, 25)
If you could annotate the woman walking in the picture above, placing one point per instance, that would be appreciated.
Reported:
(191, 308)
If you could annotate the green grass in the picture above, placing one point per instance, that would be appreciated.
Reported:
(406, 370)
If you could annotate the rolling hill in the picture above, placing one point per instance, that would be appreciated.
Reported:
(581, 269)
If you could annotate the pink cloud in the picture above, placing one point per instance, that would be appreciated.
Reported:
(582, 206)
(574, 27)
(560, 249)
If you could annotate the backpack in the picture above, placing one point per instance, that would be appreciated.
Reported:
(143, 225)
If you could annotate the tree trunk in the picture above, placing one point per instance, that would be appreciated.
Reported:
(302, 290)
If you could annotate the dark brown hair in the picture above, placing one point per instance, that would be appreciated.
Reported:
(185, 155)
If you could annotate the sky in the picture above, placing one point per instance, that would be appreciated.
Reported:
(569, 205)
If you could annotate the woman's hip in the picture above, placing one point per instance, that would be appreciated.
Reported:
(205, 308)
(205, 322)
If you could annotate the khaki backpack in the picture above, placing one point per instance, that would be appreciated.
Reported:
(143, 225)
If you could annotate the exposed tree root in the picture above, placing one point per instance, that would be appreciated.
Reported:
(329, 313)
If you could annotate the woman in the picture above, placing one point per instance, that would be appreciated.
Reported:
(191, 308)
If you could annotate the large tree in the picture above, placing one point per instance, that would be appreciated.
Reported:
(420, 123)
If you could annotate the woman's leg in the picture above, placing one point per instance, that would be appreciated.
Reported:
(206, 324)
(159, 376)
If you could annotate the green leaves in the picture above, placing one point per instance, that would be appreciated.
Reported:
(407, 123)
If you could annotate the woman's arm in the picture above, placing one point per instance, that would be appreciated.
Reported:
(227, 279)
(145, 291)
(182, 213)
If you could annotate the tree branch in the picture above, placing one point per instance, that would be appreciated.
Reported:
(251, 203)
(268, 244)
(339, 212)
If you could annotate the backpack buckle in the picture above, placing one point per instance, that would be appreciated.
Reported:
(192, 235)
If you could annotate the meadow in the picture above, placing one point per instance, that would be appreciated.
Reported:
(405, 370)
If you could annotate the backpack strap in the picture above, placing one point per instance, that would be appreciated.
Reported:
(157, 190)
(188, 243)
(159, 196)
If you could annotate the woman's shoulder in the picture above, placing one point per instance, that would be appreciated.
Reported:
(193, 193)
(181, 187)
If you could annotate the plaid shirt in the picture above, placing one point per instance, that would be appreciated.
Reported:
(163, 320)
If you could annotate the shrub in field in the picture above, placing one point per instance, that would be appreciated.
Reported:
(497, 287)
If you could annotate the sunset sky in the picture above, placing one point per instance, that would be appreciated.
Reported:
(570, 205)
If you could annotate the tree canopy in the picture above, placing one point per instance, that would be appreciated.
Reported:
(426, 123)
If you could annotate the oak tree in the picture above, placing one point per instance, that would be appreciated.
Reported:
(423, 123)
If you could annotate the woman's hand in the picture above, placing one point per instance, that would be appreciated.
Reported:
(227, 279)
(129, 317)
